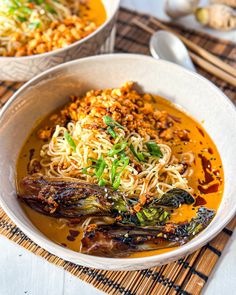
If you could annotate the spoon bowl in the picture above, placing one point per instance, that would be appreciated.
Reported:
(168, 46)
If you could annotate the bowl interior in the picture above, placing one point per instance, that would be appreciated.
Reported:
(49, 90)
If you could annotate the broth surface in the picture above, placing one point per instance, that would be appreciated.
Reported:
(96, 11)
(207, 162)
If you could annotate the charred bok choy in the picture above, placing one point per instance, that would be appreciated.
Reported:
(70, 199)
(120, 241)
(146, 229)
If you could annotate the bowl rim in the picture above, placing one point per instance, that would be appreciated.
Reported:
(74, 44)
(54, 248)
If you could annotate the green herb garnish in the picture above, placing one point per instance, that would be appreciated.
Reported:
(154, 149)
(111, 132)
(21, 19)
(116, 172)
(139, 155)
(26, 10)
(70, 140)
(99, 166)
(49, 8)
(111, 125)
(102, 182)
(117, 148)
(34, 25)
(38, 2)
(114, 166)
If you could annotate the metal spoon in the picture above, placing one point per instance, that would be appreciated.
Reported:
(168, 46)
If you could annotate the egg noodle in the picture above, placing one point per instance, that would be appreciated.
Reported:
(94, 156)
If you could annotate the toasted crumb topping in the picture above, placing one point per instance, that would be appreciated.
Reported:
(135, 111)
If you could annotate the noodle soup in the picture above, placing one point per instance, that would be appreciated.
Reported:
(36, 27)
(120, 166)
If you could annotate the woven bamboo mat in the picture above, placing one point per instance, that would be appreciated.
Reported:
(185, 276)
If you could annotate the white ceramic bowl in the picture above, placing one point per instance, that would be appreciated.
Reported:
(26, 67)
(46, 92)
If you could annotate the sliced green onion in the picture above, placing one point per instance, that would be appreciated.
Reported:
(12, 10)
(139, 156)
(21, 19)
(100, 167)
(116, 175)
(154, 149)
(102, 182)
(116, 183)
(70, 140)
(117, 148)
(49, 8)
(112, 123)
(84, 170)
(111, 132)
(114, 166)
(38, 2)
(16, 3)
(34, 25)
(26, 10)
(122, 154)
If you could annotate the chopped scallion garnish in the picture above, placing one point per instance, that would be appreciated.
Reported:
(34, 25)
(115, 173)
(70, 140)
(112, 123)
(49, 8)
(139, 155)
(21, 19)
(154, 149)
(117, 148)
(99, 166)
(114, 166)
(111, 132)
(102, 182)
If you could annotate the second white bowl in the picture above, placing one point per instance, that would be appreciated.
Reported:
(26, 67)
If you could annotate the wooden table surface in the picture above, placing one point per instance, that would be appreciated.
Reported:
(23, 273)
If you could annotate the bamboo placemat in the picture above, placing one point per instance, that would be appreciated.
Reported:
(185, 276)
